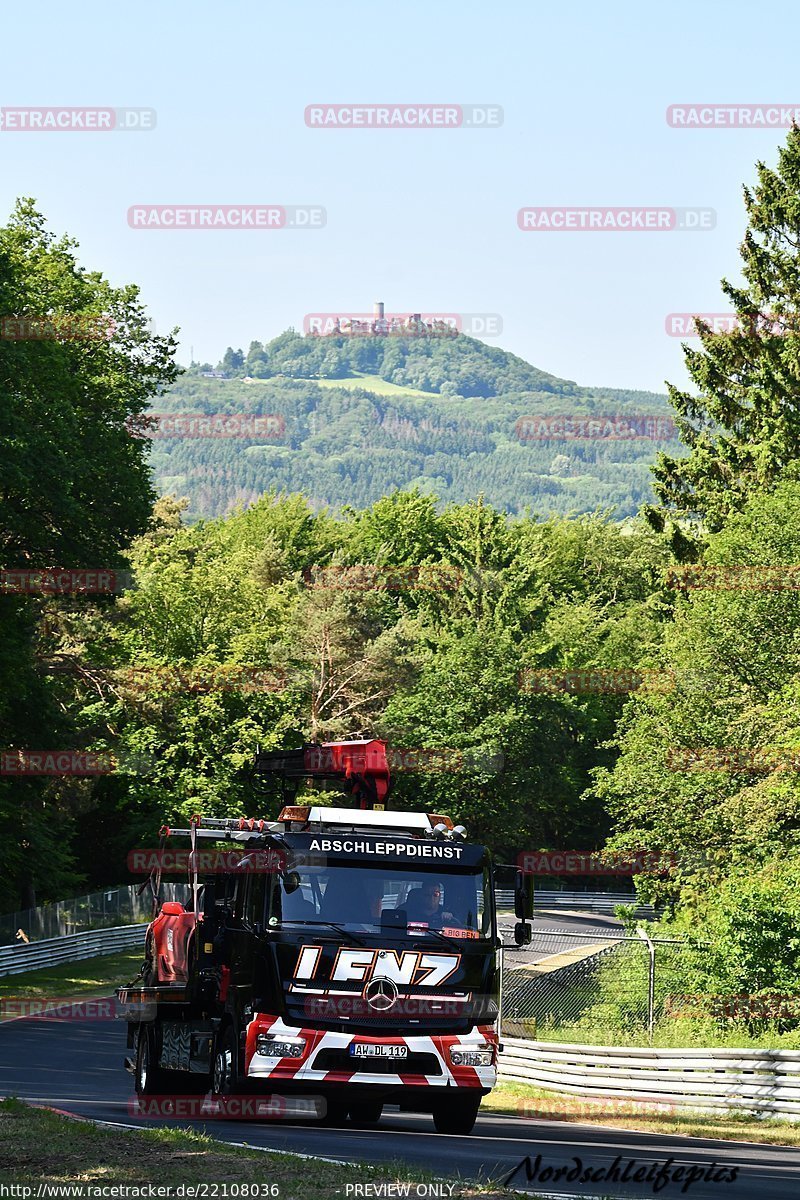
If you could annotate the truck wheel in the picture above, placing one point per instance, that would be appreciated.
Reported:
(335, 1113)
(192, 1083)
(225, 1076)
(364, 1113)
(149, 1077)
(457, 1114)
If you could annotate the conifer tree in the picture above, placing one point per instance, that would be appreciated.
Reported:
(742, 429)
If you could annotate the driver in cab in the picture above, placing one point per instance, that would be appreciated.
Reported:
(424, 907)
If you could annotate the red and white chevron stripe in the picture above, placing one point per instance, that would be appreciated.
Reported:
(258, 1066)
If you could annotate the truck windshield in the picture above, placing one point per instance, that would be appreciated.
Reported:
(381, 898)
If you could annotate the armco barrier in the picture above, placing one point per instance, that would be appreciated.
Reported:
(597, 902)
(764, 1082)
(93, 942)
(123, 904)
(72, 948)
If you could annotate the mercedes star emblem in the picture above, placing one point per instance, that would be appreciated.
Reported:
(381, 993)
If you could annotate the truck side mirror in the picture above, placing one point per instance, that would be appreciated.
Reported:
(523, 896)
(523, 908)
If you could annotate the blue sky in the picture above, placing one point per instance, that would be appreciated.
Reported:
(424, 220)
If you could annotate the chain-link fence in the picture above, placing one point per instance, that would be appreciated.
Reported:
(591, 987)
(96, 910)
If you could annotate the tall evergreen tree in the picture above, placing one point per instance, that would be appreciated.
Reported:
(743, 427)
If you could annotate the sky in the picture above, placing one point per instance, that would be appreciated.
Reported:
(425, 219)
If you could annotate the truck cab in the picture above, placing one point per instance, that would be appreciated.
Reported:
(375, 953)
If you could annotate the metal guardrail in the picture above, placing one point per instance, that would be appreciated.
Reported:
(73, 947)
(106, 909)
(597, 902)
(763, 1082)
(118, 905)
(91, 943)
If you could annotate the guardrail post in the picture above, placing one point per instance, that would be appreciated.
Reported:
(651, 984)
(501, 952)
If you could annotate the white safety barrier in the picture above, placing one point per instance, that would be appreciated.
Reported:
(599, 902)
(763, 1082)
(72, 948)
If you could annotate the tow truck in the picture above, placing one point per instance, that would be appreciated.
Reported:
(345, 954)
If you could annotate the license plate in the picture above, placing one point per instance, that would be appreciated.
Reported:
(369, 1050)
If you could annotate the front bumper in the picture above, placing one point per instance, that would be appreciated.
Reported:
(326, 1059)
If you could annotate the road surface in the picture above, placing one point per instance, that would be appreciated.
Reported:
(77, 1066)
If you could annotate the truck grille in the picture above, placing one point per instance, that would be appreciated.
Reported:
(340, 1060)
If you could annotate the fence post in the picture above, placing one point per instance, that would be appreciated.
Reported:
(651, 983)
(502, 956)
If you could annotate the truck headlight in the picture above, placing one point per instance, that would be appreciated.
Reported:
(280, 1047)
(460, 1056)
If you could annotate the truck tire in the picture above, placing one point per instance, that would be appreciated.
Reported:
(149, 1076)
(335, 1113)
(364, 1113)
(190, 1083)
(457, 1114)
(225, 1075)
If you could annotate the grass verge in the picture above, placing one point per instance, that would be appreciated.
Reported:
(521, 1100)
(39, 1146)
(92, 977)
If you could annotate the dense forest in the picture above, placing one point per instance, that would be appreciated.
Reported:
(247, 628)
(363, 416)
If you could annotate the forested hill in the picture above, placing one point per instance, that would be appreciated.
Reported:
(361, 416)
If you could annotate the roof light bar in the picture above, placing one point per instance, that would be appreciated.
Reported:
(294, 812)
